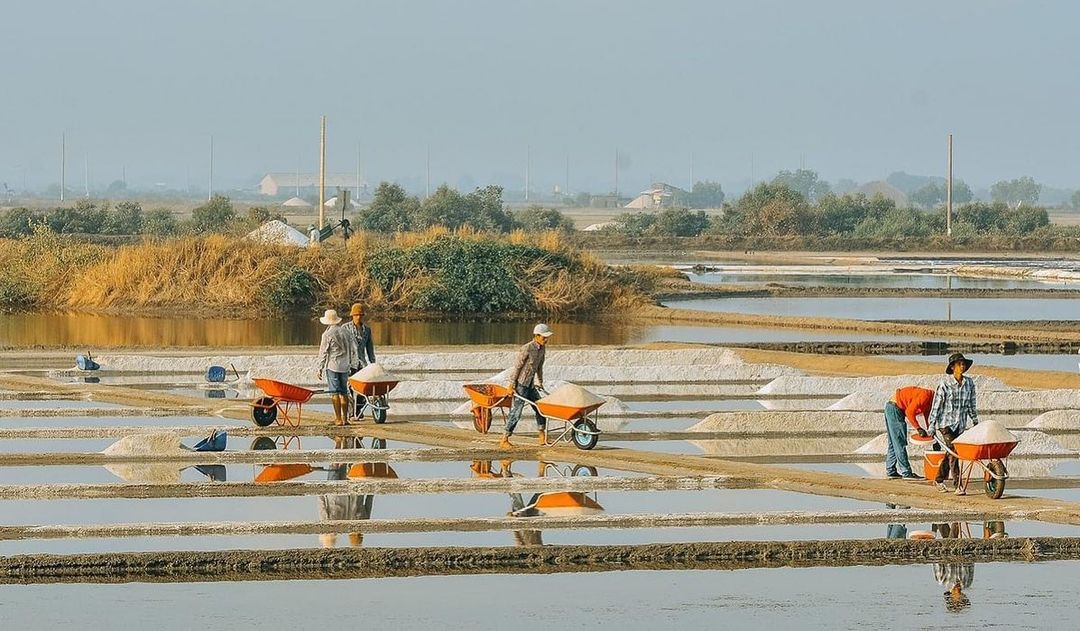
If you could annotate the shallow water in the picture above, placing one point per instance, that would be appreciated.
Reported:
(1015, 595)
(910, 308)
(96, 331)
(874, 280)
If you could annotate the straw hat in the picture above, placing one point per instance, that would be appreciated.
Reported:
(958, 357)
(330, 317)
(357, 309)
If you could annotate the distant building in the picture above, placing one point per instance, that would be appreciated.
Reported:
(659, 195)
(275, 184)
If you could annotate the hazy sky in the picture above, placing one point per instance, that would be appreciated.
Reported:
(852, 88)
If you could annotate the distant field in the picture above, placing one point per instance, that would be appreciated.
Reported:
(1065, 218)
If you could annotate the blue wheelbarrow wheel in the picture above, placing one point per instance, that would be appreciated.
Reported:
(379, 415)
(585, 435)
(264, 411)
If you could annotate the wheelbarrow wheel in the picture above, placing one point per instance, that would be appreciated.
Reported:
(995, 487)
(585, 435)
(481, 419)
(378, 409)
(264, 411)
(262, 443)
(584, 470)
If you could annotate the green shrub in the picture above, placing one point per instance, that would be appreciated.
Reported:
(292, 289)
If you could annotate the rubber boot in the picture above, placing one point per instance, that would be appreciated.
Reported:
(505, 443)
(542, 435)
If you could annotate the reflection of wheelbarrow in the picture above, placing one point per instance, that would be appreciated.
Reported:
(281, 398)
(279, 472)
(573, 423)
(991, 458)
(375, 398)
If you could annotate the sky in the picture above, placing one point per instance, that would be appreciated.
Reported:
(851, 88)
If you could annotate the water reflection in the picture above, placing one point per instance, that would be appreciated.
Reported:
(564, 503)
(68, 329)
(351, 506)
(953, 577)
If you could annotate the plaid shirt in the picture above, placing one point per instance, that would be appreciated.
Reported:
(954, 404)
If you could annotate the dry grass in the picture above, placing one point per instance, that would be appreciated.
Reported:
(220, 274)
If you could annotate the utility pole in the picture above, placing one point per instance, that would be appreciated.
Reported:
(528, 168)
(123, 175)
(691, 172)
(297, 175)
(948, 194)
(616, 178)
(210, 180)
(427, 172)
(566, 182)
(86, 175)
(752, 181)
(63, 165)
(322, 172)
(357, 170)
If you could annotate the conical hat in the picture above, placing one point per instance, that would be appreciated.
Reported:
(572, 395)
(986, 433)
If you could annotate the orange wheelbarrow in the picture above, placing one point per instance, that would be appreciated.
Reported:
(991, 458)
(282, 399)
(373, 396)
(487, 397)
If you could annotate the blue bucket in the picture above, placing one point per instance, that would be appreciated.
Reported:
(215, 374)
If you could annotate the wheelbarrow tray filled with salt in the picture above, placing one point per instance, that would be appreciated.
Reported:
(373, 384)
(571, 414)
(986, 445)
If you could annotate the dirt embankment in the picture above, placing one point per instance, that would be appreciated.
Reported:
(232, 565)
(998, 331)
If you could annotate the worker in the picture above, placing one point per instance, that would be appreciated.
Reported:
(363, 352)
(954, 577)
(526, 380)
(909, 403)
(954, 405)
(335, 361)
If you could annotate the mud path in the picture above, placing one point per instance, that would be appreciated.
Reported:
(249, 565)
(1016, 331)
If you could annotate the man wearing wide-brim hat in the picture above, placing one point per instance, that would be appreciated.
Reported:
(954, 405)
(336, 357)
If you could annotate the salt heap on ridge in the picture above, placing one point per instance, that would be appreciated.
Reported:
(277, 232)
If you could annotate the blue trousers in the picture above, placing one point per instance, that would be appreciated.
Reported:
(517, 407)
(896, 459)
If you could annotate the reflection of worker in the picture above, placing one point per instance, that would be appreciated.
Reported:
(954, 405)
(344, 507)
(954, 577)
(526, 378)
(335, 360)
(908, 403)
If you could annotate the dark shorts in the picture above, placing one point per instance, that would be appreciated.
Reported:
(337, 382)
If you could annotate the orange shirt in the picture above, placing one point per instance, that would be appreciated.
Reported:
(914, 401)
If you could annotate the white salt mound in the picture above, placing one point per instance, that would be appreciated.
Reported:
(374, 373)
(1057, 419)
(146, 444)
(848, 385)
(572, 395)
(278, 232)
(986, 433)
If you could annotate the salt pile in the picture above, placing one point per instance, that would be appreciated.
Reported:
(848, 385)
(807, 423)
(277, 232)
(374, 373)
(986, 433)
(159, 444)
(991, 400)
(572, 395)
(1057, 419)
(146, 445)
(1031, 443)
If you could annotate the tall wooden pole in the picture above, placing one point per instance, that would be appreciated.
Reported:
(322, 172)
(210, 178)
(948, 194)
(63, 166)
